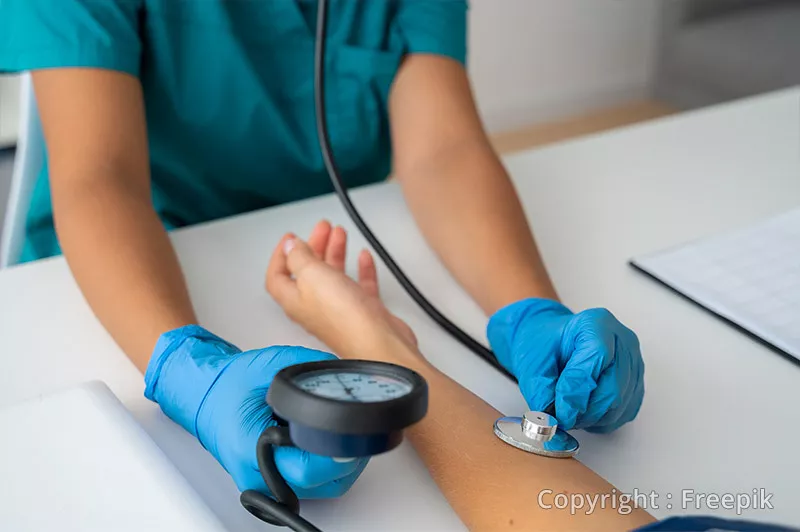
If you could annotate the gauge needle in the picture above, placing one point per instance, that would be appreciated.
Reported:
(348, 391)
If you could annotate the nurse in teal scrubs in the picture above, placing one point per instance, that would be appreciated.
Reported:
(160, 114)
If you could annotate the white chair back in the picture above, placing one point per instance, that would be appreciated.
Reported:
(28, 164)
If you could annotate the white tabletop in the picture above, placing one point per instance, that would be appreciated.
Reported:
(593, 203)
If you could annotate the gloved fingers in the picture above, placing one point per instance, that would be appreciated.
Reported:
(633, 393)
(605, 399)
(368, 273)
(591, 355)
(627, 412)
(279, 282)
(539, 391)
(617, 383)
(336, 250)
(318, 239)
(538, 376)
(619, 417)
(505, 330)
(632, 410)
(307, 471)
(251, 479)
(334, 489)
(573, 391)
(280, 356)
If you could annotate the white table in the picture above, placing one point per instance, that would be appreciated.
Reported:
(594, 203)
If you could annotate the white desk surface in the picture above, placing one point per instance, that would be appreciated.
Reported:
(594, 203)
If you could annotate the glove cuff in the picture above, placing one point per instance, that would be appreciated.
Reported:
(184, 366)
(535, 305)
(503, 325)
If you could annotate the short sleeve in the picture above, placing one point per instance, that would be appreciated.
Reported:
(709, 524)
(37, 34)
(435, 27)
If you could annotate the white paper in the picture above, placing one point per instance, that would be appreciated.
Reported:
(749, 276)
(77, 461)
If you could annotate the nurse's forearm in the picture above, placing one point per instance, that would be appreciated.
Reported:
(123, 261)
(468, 211)
(94, 124)
(456, 187)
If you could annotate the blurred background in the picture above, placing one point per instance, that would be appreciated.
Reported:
(550, 70)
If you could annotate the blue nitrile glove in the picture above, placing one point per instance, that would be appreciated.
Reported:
(588, 363)
(217, 393)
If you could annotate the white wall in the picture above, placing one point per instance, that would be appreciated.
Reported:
(9, 99)
(535, 60)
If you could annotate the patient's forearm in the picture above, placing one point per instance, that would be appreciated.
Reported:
(491, 485)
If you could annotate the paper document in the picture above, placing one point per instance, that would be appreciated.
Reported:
(749, 277)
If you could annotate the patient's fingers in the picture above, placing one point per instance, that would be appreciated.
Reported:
(298, 255)
(318, 240)
(336, 251)
(367, 273)
(279, 280)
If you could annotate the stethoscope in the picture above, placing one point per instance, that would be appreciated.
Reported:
(356, 408)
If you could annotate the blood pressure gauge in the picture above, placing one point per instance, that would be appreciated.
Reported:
(336, 408)
(348, 408)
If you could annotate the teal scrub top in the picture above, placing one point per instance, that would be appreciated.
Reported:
(228, 89)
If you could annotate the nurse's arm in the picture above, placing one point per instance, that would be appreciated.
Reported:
(455, 184)
(116, 247)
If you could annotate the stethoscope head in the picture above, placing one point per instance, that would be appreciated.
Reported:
(538, 433)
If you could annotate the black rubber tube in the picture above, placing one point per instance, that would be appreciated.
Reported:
(284, 509)
(341, 191)
(273, 512)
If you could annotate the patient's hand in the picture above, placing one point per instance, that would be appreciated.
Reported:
(309, 282)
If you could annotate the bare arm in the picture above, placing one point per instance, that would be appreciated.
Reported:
(455, 184)
(492, 486)
(116, 247)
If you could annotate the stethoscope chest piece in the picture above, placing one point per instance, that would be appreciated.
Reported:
(537, 433)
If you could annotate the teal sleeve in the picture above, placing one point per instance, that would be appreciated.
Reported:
(37, 34)
(435, 27)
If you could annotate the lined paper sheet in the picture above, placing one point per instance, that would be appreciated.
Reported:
(750, 277)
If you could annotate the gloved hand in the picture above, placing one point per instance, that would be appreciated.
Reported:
(588, 363)
(217, 393)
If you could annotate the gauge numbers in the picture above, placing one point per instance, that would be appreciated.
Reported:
(353, 386)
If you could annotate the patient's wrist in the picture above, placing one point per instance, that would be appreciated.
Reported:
(396, 350)
(379, 343)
